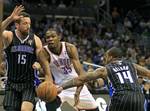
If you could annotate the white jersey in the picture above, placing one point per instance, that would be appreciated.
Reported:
(61, 66)
(63, 70)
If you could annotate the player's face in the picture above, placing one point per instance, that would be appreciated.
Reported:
(52, 39)
(24, 25)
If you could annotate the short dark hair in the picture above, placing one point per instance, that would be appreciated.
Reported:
(24, 14)
(115, 52)
(56, 29)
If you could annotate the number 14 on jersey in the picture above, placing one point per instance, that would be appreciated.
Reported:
(126, 75)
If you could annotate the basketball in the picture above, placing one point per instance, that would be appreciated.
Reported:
(47, 91)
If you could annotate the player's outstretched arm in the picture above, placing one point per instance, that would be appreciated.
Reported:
(7, 35)
(44, 62)
(142, 70)
(78, 81)
(14, 16)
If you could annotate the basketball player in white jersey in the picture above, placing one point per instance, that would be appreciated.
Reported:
(65, 65)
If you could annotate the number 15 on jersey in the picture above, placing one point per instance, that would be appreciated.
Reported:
(21, 59)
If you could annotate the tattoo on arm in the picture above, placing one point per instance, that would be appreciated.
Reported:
(78, 81)
(68, 84)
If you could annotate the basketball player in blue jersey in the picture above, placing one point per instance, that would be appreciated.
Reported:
(64, 65)
(127, 94)
(22, 48)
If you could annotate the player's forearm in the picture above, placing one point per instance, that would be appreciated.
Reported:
(78, 90)
(5, 23)
(48, 78)
(78, 81)
(72, 83)
(142, 70)
(47, 73)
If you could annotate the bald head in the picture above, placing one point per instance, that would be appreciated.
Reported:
(111, 54)
(115, 52)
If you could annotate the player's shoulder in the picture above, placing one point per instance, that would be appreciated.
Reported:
(7, 34)
(44, 52)
(7, 31)
(71, 49)
(69, 45)
(38, 41)
(37, 38)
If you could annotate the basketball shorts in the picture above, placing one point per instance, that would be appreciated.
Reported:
(127, 101)
(13, 98)
(86, 102)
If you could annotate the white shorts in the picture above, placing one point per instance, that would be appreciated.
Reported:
(86, 99)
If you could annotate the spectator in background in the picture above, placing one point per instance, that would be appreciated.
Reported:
(145, 84)
(127, 23)
(115, 15)
(146, 90)
(72, 4)
(61, 5)
(132, 54)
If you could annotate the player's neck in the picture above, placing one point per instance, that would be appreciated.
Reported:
(115, 60)
(57, 50)
(20, 35)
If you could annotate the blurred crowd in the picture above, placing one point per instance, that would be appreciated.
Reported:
(46, 3)
(92, 38)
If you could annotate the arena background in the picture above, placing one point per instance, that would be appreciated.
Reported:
(93, 26)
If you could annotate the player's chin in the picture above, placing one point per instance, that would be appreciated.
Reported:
(25, 32)
(51, 45)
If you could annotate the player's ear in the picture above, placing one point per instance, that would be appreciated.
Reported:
(110, 57)
(60, 36)
(16, 25)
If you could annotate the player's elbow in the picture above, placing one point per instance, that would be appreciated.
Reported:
(148, 75)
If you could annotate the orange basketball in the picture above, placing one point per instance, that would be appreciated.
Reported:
(47, 91)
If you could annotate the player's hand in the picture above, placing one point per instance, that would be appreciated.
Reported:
(2, 69)
(15, 15)
(59, 89)
(36, 66)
